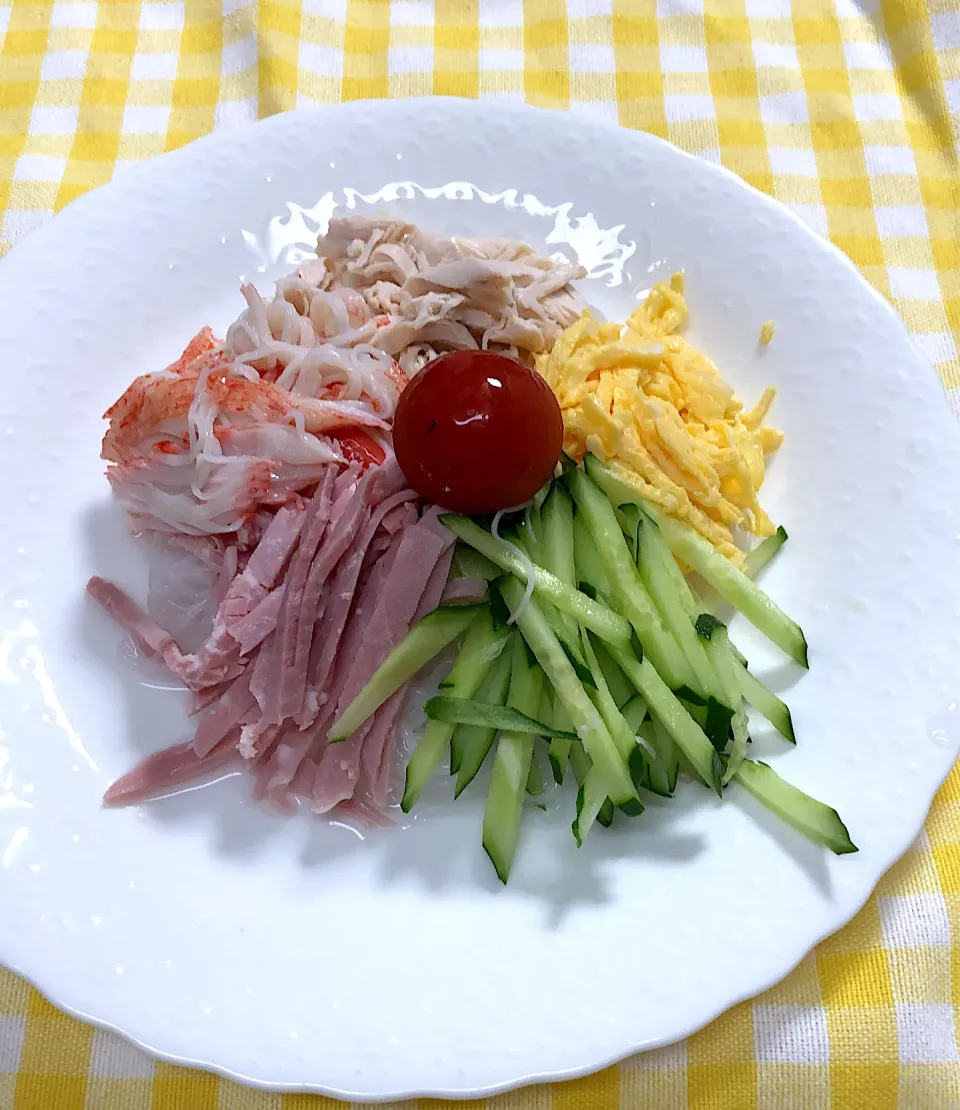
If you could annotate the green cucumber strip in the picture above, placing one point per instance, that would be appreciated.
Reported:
(511, 766)
(669, 753)
(655, 543)
(469, 563)
(713, 633)
(557, 518)
(635, 712)
(585, 719)
(470, 744)
(630, 518)
(556, 544)
(632, 808)
(427, 638)
(424, 761)
(813, 819)
(766, 703)
(587, 562)
(534, 779)
(757, 559)
(481, 648)
(728, 580)
(468, 711)
(591, 798)
(741, 737)
(623, 735)
(732, 715)
(617, 682)
(607, 624)
(628, 588)
(663, 704)
(561, 750)
(659, 572)
(658, 780)
(580, 762)
(564, 627)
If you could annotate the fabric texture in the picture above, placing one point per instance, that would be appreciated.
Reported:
(847, 112)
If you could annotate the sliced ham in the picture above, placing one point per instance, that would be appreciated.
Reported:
(420, 550)
(381, 748)
(224, 716)
(272, 694)
(307, 614)
(173, 766)
(267, 680)
(311, 740)
(254, 627)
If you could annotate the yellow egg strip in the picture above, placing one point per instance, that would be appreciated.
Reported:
(660, 414)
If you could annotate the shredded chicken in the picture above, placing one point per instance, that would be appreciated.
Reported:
(386, 290)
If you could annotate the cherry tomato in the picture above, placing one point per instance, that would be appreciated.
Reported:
(359, 447)
(476, 432)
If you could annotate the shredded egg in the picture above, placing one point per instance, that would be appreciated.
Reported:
(657, 411)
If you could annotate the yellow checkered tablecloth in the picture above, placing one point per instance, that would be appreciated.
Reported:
(846, 111)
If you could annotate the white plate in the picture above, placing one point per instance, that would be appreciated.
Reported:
(291, 953)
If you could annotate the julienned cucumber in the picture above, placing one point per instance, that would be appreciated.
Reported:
(580, 762)
(728, 580)
(584, 678)
(556, 545)
(468, 563)
(815, 820)
(757, 559)
(470, 744)
(590, 572)
(591, 798)
(607, 624)
(560, 750)
(621, 571)
(623, 735)
(660, 572)
(467, 711)
(663, 703)
(766, 703)
(511, 766)
(482, 646)
(652, 543)
(714, 634)
(559, 621)
(427, 638)
(585, 719)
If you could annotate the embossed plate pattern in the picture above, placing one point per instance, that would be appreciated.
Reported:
(292, 953)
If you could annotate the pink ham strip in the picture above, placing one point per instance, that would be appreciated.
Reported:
(379, 757)
(373, 575)
(251, 630)
(266, 680)
(299, 608)
(270, 555)
(219, 658)
(326, 641)
(420, 549)
(224, 716)
(373, 487)
(173, 766)
(291, 752)
(203, 699)
(373, 788)
(128, 614)
(293, 676)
